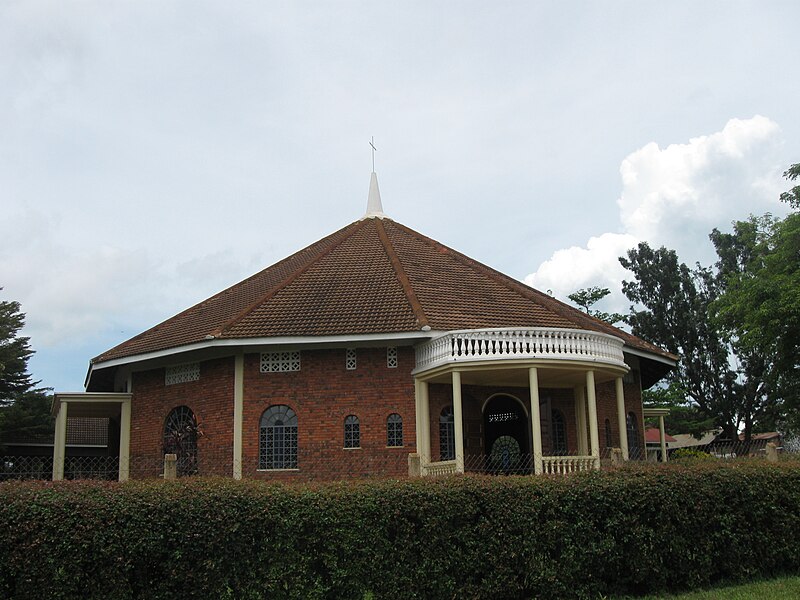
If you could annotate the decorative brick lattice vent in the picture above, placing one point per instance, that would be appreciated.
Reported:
(280, 362)
(182, 373)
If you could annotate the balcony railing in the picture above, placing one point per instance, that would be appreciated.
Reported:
(479, 345)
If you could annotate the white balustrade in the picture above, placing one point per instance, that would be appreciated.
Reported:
(478, 345)
(445, 467)
(564, 465)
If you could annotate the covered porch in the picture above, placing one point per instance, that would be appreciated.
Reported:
(519, 401)
(101, 405)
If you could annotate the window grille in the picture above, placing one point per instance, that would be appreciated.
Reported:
(280, 362)
(447, 434)
(350, 359)
(352, 432)
(559, 434)
(182, 373)
(277, 440)
(391, 357)
(394, 430)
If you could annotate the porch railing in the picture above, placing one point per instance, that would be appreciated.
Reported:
(445, 467)
(522, 465)
(564, 465)
(519, 343)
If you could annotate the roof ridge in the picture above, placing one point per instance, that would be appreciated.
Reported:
(354, 227)
(557, 306)
(402, 277)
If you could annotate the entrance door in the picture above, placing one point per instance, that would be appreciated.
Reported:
(508, 448)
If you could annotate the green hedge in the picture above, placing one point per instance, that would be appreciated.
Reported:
(629, 531)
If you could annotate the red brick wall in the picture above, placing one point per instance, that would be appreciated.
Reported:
(211, 400)
(322, 394)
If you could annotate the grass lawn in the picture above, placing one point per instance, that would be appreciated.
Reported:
(784, 588)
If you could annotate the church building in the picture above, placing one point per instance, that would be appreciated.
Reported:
(375, 351)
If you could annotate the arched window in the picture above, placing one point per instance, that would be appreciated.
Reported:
(352, 432)
(447, 434)
(634, 450)
(277, 440)
(394, 430)
(180, 437)
(559, 434)
(608, 433)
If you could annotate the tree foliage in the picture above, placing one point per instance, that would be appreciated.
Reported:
(15, 351)
(760, 310)
(727, 386)
(588, 297)
(684, 415)
(792, 197)
(736, 325)
(24, 409)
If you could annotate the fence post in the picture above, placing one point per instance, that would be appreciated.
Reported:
(617, 457)
(772, 452)
(414, 465)
(170, 467)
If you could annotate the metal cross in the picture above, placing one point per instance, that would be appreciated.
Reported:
(372, 143)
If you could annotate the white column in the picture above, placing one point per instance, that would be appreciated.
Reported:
(458, 422)
(425, 450)
(580, 420)
(125, 440)
(663, 438)
(536, 421)
(591, 398)
(621, 420)
(238, 414)
(60, 442)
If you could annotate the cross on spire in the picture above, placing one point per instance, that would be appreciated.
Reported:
(374, 149)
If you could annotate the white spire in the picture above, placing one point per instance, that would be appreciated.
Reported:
(374, 206)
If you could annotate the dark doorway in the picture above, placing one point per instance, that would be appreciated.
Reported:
(508, 448)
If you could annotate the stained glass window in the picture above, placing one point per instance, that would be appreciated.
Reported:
(277, 442)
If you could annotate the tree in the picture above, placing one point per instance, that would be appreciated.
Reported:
(588, 297)
(29, 417)
(24, 409)
(14, 353)
(792, 197)
(760, 309)
(726, 386)
(684, 415)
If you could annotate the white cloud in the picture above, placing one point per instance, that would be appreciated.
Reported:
(674, 197)
(574, 268)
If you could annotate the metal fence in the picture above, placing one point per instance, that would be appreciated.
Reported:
(75, 467)
(325, 463)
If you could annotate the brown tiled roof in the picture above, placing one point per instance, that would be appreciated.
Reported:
(372, 276)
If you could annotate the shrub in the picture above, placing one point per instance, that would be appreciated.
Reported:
(637, 529)
(690, 454)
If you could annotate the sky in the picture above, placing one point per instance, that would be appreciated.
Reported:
(154, 153)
